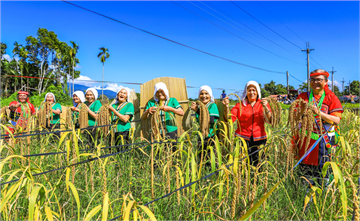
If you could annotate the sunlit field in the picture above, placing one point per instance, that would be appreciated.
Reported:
(126, 178)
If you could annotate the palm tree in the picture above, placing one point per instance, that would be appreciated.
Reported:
(73, 51)
(103, 55)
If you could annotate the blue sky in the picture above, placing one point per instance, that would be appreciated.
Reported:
(332, 28)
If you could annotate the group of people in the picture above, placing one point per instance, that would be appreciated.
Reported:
(250, 114)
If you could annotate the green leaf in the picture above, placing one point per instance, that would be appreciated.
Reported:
(76, 196)
(92, 213)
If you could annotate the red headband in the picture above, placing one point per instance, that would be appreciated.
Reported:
(23, 92)
(324, 73)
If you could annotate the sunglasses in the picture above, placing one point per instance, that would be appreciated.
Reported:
(315, 80)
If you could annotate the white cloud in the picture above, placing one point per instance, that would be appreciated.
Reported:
(78, 66)
(87, 81)
(110, 86)
(84, 80)
(6, 57)
(336, 83)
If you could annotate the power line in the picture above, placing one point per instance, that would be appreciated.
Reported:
(281, 21)
(237, 21)
(167, 39)
(295, 78)
(230, 31)
(265, 25)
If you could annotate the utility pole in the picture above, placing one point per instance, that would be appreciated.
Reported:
(287, 80)
(308, 64)
(349, 87)
(332, 79)
(343, 86)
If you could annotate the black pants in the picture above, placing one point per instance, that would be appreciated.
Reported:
(118, 141)
(253, 146)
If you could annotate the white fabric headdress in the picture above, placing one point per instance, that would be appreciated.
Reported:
(162, 86)
(245, 91)
(80, 95)
(127, 91)
(52, 95)
(94, 91)
(208, 89)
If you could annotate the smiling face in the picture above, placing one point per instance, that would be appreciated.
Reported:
(204, 97)
(122, 95)
(317, 83)
(90, 96)
(50, 98)
(251, 93)
(22, 98)
(160, 94)
(76, 99)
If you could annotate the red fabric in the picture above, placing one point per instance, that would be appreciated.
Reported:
(251, 122)
(317, 74)
(23, 92)
(18, 110)
(330, 105)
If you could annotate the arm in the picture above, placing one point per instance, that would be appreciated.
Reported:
(266, 108)
(226, 102)
(91, 113)
(179, 111)
(331, 119)
(57, 111)
(123, 118)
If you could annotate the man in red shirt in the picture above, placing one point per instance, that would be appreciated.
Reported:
(326, 104)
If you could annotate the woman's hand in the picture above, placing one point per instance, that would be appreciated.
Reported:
(152, 110)
(111, 108)
(75, 109)
(194, 106)
(264, 102)
(166, 108)
(226, 101)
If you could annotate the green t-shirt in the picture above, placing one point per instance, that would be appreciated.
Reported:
(126, 108)
(170, 122)
(56, 117)
(214, 112)
(94, 107)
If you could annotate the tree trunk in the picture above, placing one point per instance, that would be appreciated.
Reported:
(102, 88)
(73, 76)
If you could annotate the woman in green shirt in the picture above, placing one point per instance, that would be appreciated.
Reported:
(78, 98)
(207, 98)
(122, 113)
(169, 106)
(55, 112)
(93, 106)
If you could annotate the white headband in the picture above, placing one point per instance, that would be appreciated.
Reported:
(52, 95)
(94, 91)
(163, 87)
(208, 89)
(245, 91)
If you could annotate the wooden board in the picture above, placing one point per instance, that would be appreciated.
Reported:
(177, 89)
